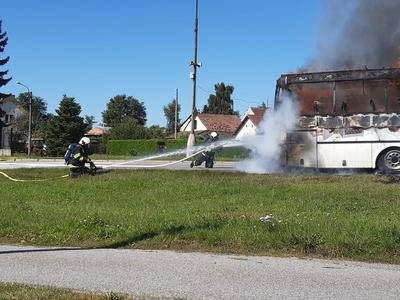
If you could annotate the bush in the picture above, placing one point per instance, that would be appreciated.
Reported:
(97, 145)
(233, 153)
(129, 129)
(142, 147)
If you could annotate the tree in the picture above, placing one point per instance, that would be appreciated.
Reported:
(3, 44)
(155, 132)
(121, 107)
(169, 113)
(89, 121)
(39, 116)
(65, 127)
(39, 106)
(263, 105)
(221, 102)
(128, 129)
(3, 81)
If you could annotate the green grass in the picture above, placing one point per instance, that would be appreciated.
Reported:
(345, 217)
(11, 291)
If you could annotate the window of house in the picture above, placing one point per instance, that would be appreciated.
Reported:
(8, 118)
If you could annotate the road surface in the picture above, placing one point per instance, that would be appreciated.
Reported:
(159, 164)
(197, 275)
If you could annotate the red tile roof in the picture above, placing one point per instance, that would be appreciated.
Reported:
(7, 98)
(258, 111)
(253, 118)
(256, 119)
(220, 123)
(3, 96)
(97, 131)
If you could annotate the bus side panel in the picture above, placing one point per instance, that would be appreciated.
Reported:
(345, 155)
(301, 149)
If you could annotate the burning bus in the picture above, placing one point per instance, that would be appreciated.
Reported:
(348, 119)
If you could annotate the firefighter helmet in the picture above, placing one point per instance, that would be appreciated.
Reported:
(84, 141)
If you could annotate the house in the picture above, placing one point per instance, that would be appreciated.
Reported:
(248, 126)
(96, 134)
(250, 122)
(224, 125)
(255, 111)
(8, 111)
(97, 131)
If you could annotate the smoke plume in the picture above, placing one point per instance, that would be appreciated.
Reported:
(266, 145)
(358, 34)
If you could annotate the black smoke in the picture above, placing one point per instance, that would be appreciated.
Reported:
(358, 34)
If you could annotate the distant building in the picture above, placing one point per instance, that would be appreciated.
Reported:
(97, 131)
(250, 122)
(248, 126)
(255, 111)
(97, 143)
(8, 111)
(224, 125)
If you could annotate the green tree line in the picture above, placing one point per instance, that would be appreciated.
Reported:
(125, 115)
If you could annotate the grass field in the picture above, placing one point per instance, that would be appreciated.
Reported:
(345, 217)
(10, 291)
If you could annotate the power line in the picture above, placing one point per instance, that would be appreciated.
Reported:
(204, 90)
(238, 99)
(235, 99)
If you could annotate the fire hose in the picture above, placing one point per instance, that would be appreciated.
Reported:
(118, 164)
(155, 166)
(31, 180)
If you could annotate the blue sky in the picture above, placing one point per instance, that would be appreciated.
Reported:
(94, 50)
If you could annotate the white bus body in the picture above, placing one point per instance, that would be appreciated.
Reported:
(326, 149)
(349, 120)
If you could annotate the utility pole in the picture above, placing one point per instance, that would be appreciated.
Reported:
(195, 65)
(176, 113)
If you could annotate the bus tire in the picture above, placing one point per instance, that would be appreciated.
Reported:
(389, 161)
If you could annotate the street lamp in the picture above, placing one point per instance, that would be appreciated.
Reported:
(30, 118)
(195, 65)
(176, 114)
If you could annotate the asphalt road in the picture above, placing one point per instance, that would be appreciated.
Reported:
(158, 164)
(197, 275)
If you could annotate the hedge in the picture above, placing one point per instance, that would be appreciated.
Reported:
(142, 147)
(233, 153)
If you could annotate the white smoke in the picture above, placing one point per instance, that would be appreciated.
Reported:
(266, 145)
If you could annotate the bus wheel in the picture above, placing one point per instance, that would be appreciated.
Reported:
(389, 161)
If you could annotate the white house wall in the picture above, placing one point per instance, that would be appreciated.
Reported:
(249, 111)
(248, 129)
(8, 107)
(200, 126)
(11, 110)
(187, 126)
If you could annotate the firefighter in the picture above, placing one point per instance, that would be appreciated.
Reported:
(79, 159)
(206, 156)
